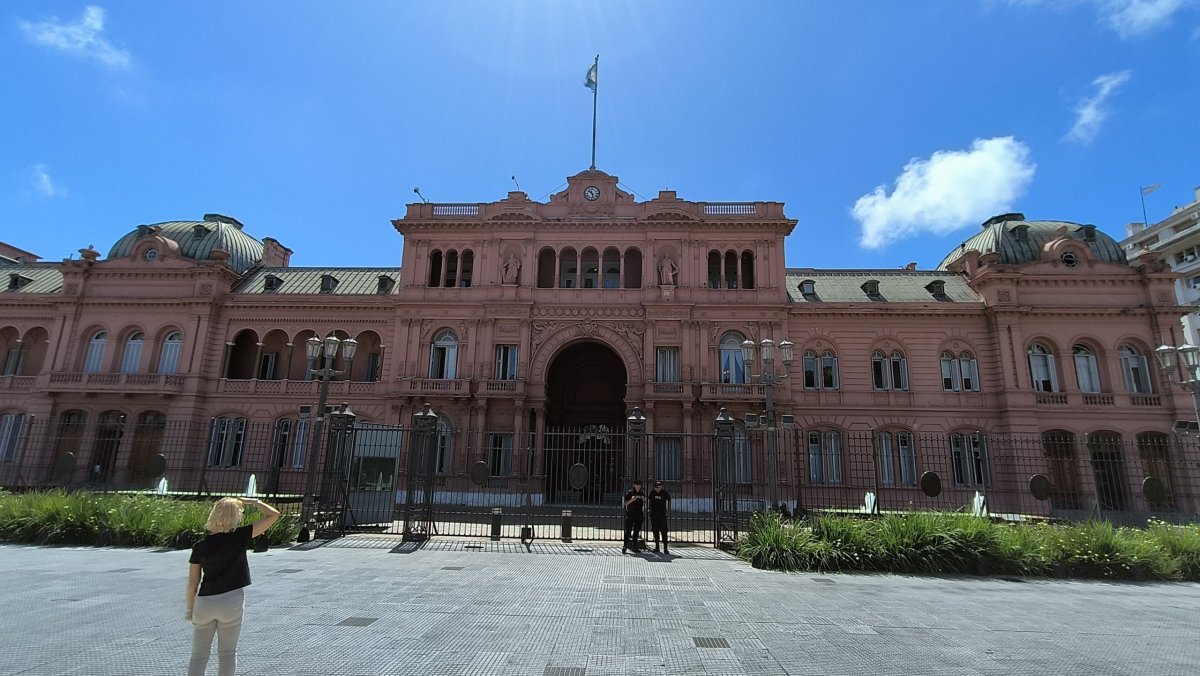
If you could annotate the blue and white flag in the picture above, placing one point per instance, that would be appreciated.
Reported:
(589, 80)
(1150, 188)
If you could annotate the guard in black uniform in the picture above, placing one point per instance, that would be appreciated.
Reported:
(635, 503)
(660, 501)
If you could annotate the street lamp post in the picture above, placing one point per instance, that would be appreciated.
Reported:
(769, 377)
(1170, 358)
(321, 353)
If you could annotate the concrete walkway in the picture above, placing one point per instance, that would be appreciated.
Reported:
(366, 606)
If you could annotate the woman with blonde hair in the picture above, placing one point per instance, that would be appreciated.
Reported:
(216, 578)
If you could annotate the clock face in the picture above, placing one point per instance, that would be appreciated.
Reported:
(151, 254)
(591, 193)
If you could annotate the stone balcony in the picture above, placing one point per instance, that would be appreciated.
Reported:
(718, 392)
(500, 388)
(669, 391)
(17, 382)
(438, 387)
(118, 383)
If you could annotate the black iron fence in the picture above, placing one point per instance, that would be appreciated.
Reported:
(568, 483)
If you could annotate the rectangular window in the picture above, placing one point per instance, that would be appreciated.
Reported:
(442, 452)
(829, 371)
(899, 373)
(667, 364)
(443, 362)
(733, 369)
(506, 362)
(10, 435)
(743, 459)
(970, 374)
(226, 442)
(949, 373)
(824, 458)
(95, 357)
(878, 374)
(500, 451)
(1041, 367)
(266, 365)
(908, 459)
(1087, 372)
(833, 448)
(668, 458)
(816, 461)
(1137, 378)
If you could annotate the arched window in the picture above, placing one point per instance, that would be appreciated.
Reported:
(968, 456)
(568, 269)
(227, 440)
(1087, 372)
(445, 435)
(147, 441)
(281, 439)
(589, 263)
(110, 428)
(94, 361)
(714, 270)
(1155, 449)
(611, 269)
(1108, 468)
(435, 268)
(545, 273)
(731, 270)
(747, 270)
(820, 372)
(1134, 370)
(732, 368)
(897, 451)
(1059, 448)
(1041, 368)
(825, 457)
(132, 358)
(468, 268)
(959, 373)
(633, 268)
(11, 425)
(69, 438)
(950, 374)
(739, 466)
(889, 373)
(443, 356)
(969, 368)
(168, 360)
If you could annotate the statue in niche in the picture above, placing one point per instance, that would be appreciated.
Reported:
(510, 270)
(667, 271)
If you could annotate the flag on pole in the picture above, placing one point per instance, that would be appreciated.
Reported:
(589, 80)
(1150, 188)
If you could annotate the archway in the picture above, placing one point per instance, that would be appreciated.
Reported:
(585, 415)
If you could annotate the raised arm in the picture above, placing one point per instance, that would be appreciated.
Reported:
(269, 516)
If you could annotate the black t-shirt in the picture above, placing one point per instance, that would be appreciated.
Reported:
(659, 501)
(222, 559)
(634, 508)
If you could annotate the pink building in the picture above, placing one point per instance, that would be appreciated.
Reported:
(534, 329)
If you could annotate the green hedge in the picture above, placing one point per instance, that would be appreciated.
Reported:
(83, 518)
(931, 543)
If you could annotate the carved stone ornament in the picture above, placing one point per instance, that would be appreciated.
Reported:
(1004, 297)
(206, 289)
(1163, 297)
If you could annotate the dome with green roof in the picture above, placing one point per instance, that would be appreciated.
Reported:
(1019, 241)
(198, 239)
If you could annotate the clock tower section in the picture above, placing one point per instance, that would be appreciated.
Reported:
(592, 193)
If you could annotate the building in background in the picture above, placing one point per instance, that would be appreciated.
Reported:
(534, 329)
(1176, 239)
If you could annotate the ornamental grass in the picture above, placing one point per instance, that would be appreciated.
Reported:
(140, 520)
(954, 543)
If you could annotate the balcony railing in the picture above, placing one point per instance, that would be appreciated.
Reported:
(444, 387)
(294, 387)
(513, 388)
(1145, 400)
(730, 209)
(1051, 399)
(17, 382)
(732, 391)
(65, 381)
(456, 210)
(1098, 400)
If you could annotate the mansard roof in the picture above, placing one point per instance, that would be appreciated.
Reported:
(198, 239)
(346, 281)
(33, 277)
(1019, 241)
(894, 286)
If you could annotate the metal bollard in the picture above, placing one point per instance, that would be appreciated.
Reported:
(566, 525)
(497, 515)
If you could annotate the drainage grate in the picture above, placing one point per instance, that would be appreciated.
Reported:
(702, 642)
(356, 621)
(472, 546)
(121, 570)
(452, 567)
(564, 671)
(582, 549)
(823, 579)
(283, 571)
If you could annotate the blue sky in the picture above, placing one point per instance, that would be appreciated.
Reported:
(889, 129)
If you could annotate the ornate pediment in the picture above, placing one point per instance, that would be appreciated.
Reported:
(668, 214)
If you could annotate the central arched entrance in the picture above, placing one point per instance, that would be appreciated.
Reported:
(585, 415)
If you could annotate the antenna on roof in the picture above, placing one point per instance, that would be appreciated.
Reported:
(514, 180)
(418, 191)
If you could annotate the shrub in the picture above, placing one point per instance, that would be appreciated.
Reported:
(56, 517)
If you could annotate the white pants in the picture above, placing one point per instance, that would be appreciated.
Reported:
(220, 615)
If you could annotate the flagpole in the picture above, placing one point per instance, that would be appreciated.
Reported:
(1142, 191)
(595, 96)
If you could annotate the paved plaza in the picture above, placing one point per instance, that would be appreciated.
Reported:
(369, 606)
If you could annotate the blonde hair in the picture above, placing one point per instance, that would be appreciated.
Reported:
(225, 516)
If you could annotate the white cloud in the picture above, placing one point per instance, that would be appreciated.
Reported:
(83, 38)
(44, 184)
(949, 190)
(1090, 113)
(1133, 18)
(1129, 18)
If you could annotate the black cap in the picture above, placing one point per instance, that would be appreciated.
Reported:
(657, 484)
(637, 482)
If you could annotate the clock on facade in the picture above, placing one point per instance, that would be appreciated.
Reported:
(591, 193)
(151, 254)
